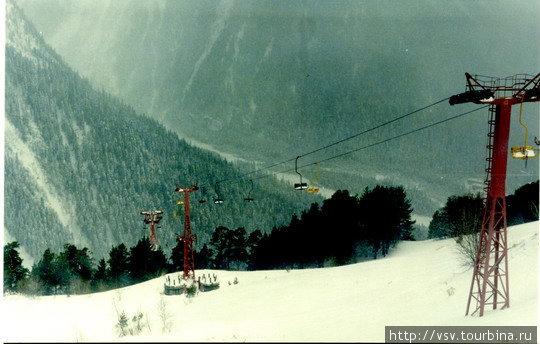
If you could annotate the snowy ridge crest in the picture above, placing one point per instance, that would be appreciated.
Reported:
(24, 38)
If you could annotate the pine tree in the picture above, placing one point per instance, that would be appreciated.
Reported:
(78, 261)
(118, 265)
(220, 244)
(99, 279)
(14, 271)
(203, 257)
(145, 263)
(76, 265)
(238, 249)
(253, 241)
(438, 227)
(461, 215)
(385, 217)
(177, 256)
(52, 275)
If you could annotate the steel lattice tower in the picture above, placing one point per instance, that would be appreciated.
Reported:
(489, 285)
(187, 238)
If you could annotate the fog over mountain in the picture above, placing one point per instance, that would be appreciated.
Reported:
(80, 164)
(270, 80)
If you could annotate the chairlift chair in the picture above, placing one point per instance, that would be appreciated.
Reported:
(523, 152)
(313, 189)
(217, 200)
(177, 209)
(301, 185)
(202, 200)
(249, 198)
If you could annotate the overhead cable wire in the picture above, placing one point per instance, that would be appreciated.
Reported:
(339, 141)
(373, 128)
(377, 143)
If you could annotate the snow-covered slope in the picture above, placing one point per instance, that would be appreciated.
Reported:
(419, 283)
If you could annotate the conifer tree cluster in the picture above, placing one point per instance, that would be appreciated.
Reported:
(346, 228)
(72, 270)
(462, 215)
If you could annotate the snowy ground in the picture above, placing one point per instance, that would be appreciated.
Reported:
(420, 283)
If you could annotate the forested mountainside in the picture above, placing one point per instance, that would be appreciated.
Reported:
(80, 164)
(268, 80)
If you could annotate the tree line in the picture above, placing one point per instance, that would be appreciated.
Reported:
(72, 270)
(342, 230)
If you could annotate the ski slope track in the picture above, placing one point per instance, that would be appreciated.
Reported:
(419, 283)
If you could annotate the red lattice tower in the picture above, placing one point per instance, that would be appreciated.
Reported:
(187, 238)
(489, 285)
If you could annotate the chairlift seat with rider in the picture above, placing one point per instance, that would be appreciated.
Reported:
(313, 188)
(217, 200)
(301, 185)
(523, 152)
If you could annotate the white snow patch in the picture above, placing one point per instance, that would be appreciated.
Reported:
(239, 37)
(224, 10)
(266, 54)
(227, 156)
(65, 212)
(229, 79)
(419, 283)
(268, 50)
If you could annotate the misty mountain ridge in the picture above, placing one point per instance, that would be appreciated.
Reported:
(80, 165)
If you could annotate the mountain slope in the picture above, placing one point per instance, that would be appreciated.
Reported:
(80, 165)
(420, 283)
(268, 81)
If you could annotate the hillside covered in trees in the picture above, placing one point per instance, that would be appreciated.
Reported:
(80, 165)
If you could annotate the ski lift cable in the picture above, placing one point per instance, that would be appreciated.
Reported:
(377, 143)
(374, 128)
(339, 141)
